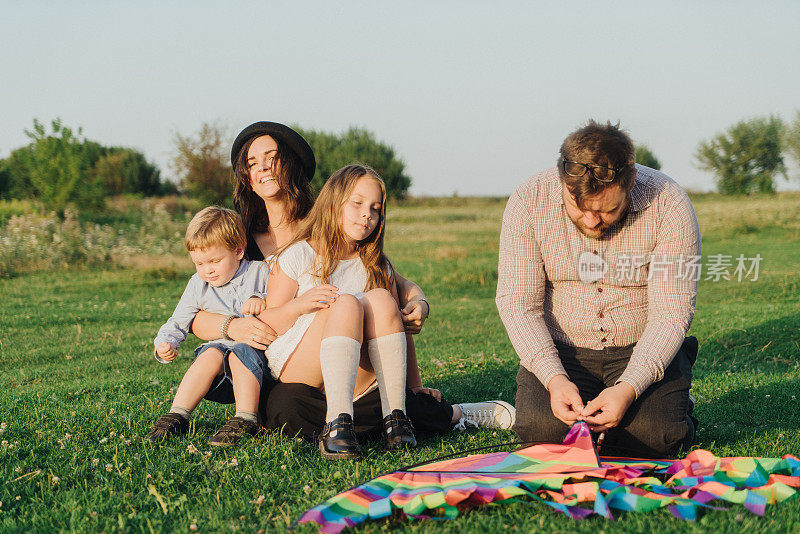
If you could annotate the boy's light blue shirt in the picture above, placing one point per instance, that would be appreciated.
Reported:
(250, 280)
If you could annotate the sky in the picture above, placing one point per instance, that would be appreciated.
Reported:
(475, 97)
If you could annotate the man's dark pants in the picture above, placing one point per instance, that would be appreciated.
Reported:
(657, 424)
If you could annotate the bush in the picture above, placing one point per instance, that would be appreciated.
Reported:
(5, 181)
(8, 208)
(61, 168)
(46, 242)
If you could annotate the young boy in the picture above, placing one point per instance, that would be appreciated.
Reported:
(223, 371)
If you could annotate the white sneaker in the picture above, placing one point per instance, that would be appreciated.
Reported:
(488, 414)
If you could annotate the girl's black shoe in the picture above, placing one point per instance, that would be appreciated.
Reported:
(338, 439)
(398, 431)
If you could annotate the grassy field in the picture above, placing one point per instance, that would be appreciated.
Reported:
(80, 386)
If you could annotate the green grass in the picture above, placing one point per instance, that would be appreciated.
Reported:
(79, 387)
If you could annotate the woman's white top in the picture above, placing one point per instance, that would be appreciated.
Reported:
(297, 261)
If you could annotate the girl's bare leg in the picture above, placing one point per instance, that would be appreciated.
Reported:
(381, 314)
(339, 354)
(343, 318)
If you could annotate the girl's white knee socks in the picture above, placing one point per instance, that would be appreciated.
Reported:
(338, 359)
(387, 354)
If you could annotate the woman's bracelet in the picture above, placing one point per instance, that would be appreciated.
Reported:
(423, 299)
(224, 328)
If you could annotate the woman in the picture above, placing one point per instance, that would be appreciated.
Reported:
(273, 166)
(271, 192)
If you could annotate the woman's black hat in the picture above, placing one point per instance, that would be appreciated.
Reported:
(282, 133)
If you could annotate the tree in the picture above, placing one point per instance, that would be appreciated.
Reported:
(124, 170)
(746, 158)
(791, 138)
(645, 156)
(55, 167)
(201, 163)
(356, 145)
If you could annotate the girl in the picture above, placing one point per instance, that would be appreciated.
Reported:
(332, 294)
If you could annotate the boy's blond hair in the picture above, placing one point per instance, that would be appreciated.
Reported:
(215, 225)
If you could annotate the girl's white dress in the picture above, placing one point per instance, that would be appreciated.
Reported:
(297, 261)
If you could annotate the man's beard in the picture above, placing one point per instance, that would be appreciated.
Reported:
(598, 232)
(604, 230)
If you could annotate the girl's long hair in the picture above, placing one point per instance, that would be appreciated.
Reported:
(294, 183)
(322, 228)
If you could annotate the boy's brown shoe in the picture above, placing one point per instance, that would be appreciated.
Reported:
(168, 425)
(232, 431)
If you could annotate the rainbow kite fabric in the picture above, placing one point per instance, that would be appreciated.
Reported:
(564, 476)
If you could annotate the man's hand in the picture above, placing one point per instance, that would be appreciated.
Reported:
(606, 410)
(254, 306)
(252, 331)
(435, 393)
(415, 314)
(565, 399)
(166, 351)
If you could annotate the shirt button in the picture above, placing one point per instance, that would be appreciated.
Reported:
(601, 315)
(603, 340)
(601, 329)
(599, 289)
(596, 253)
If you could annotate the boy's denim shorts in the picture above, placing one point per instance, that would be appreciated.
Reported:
(221, 389)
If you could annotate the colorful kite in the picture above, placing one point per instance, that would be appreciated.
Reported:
(563, 477)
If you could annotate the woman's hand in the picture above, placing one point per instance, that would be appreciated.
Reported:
(315, 299)
(251, 331)
(414, 315)
(435, 393)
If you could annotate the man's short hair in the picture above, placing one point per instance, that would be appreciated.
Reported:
(606, 145)
(215, 225)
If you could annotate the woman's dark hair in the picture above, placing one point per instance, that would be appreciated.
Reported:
(291, 179)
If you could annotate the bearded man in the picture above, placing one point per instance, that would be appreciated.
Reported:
(597, 284)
